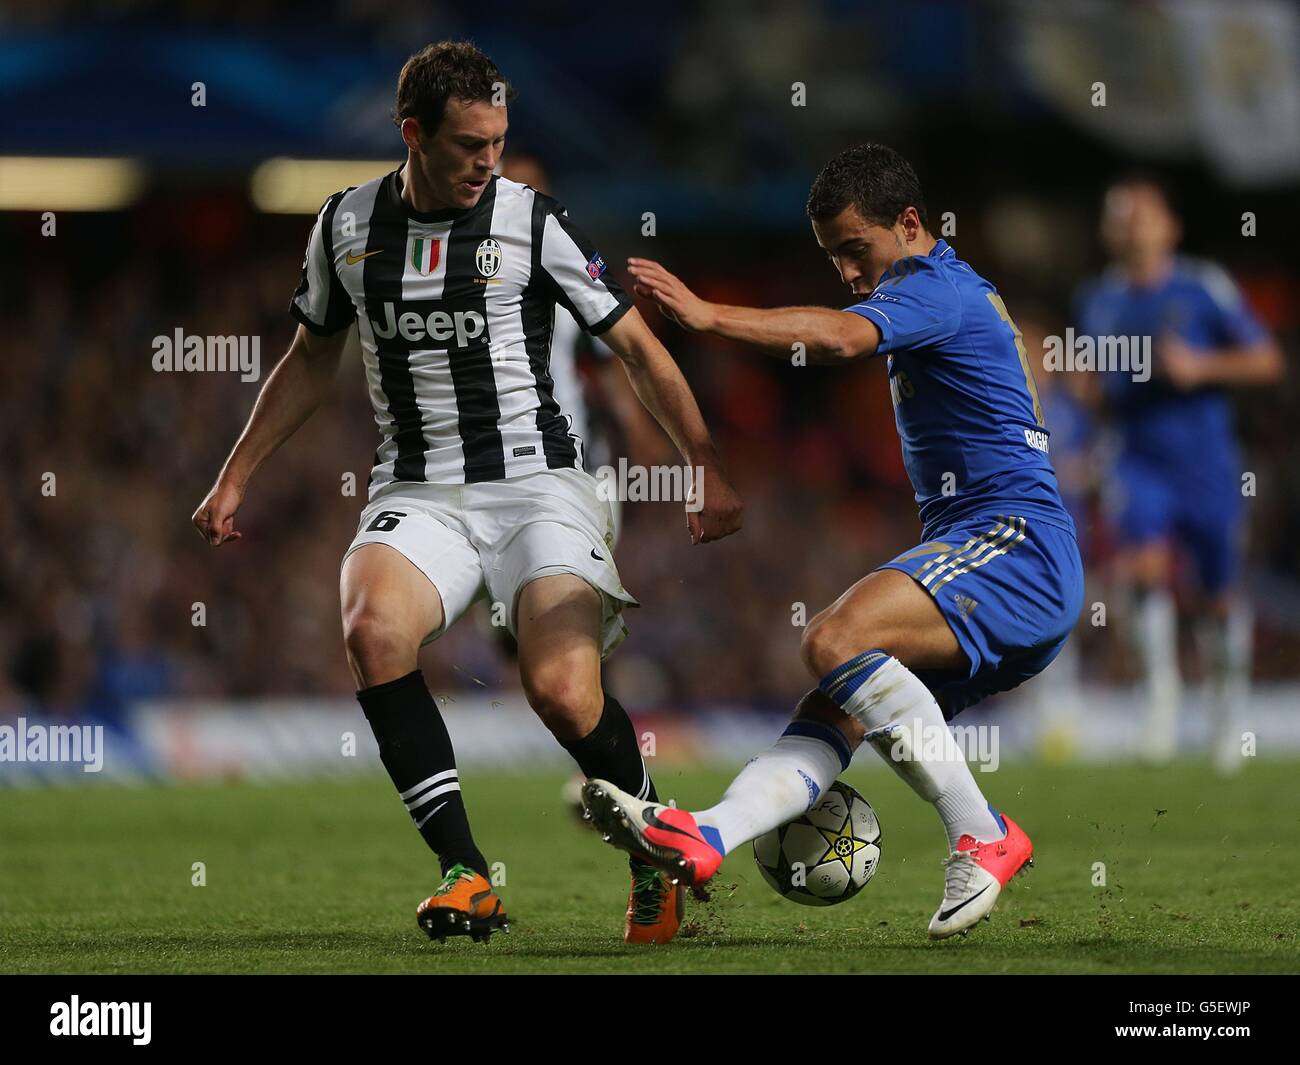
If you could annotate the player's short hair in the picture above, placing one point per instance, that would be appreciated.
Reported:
(875, 179)
(1151, 179)
(440, 71)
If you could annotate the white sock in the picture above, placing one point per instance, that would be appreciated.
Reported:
(906, 727)
(1157, 642)
(1058, 704)
(778, 785)
(1225, 648)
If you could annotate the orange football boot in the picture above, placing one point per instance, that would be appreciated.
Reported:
(654, 906)
(463, 905)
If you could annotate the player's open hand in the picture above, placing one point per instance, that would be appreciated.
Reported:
(713, 509)
(215, 518)
(674, 299)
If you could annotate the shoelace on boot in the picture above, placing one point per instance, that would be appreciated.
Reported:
(648, 889)
(455, 873)
(959, 867)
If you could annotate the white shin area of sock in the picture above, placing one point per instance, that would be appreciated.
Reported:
(772, 789)
(1056, 692)
(1225, 649)
(1156, 635)
(906, 727)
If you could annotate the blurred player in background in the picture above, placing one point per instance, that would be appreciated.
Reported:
(453, 276)
(982, 605)
(1177, 481)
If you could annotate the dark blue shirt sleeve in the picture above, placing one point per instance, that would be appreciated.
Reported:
(1234, 323)
(920, 309)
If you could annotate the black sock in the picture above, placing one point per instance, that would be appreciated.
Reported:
(416, 751)
(610, 751)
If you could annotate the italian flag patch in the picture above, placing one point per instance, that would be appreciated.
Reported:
(424, 255)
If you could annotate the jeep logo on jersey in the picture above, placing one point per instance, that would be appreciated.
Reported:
(424, 255)
(488, 258)
(461, 326)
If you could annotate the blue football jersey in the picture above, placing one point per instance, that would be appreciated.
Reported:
(965, 403)
(1187, 435)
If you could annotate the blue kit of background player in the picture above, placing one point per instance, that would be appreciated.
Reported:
(1178, 474)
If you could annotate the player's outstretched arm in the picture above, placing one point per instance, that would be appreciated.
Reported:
(1256, 364)
(663, 391)
(296, 387)
(828, 336)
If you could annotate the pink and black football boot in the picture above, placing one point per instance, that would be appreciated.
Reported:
(664, 836)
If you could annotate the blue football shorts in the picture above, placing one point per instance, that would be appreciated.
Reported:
(1011, 590)
(1203, 515)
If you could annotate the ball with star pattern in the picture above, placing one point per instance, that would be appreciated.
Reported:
(826, 856)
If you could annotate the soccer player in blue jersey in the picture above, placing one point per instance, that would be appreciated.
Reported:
(1178, 479)
(984, 602)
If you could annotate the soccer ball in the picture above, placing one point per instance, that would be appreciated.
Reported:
(827, 855)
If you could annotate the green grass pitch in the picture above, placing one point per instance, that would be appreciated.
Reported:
(324, 876)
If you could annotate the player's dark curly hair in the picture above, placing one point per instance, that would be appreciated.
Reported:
(440, 71)
(874, 178)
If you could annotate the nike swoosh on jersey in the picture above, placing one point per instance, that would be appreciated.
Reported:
(945, 914)
(352, 260)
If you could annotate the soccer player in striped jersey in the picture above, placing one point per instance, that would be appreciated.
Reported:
(452, 276)
(1177, 478)
(985, 602)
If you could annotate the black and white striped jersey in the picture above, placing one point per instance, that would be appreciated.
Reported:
(455, 313)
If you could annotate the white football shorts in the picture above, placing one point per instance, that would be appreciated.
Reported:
(492, 538)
